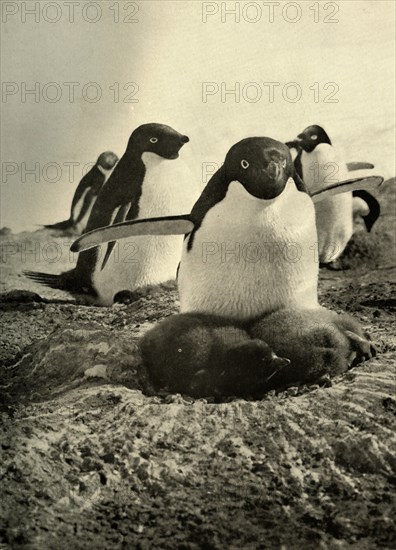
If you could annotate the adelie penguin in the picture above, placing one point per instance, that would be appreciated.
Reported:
(149, 181)
(318, 164)
(86, 193)
(250, 246)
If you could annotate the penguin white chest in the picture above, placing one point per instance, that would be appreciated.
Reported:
(148, 260)
(334, 219)
(251, 256)
(78, 207)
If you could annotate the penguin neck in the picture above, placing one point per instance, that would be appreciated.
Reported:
(152, 160)
(281, 207)
(104, 171)
(238, 194)
(320, 149)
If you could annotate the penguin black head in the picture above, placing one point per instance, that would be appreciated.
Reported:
(107, 160)
(310, 138)
(160, 139)
(262, 165)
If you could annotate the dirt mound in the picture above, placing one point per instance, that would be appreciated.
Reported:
(89, 461)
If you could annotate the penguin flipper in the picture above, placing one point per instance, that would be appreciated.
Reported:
(374, 208)
(352, 166)
(353, 184)
(166, 225)
(120, 217)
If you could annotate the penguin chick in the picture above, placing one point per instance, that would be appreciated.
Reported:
(318, 342)
(203, 355)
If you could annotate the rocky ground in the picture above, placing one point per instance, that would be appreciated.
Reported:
(89, 460)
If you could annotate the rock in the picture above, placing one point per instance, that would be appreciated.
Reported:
(20, 296)
(5, 231)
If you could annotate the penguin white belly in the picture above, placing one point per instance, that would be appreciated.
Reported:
(252, 256)
(81, 225)
(78, 206)
(148, 260)
(334, 220)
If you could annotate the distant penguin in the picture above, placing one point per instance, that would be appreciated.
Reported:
(318, 164)
(86, 193)
(148, 181)
(202, 355)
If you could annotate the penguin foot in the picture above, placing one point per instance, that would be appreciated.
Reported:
(364, 350)
(130, 296)
(126, 297)
(335, 265)
(319, 343)
(325, 381)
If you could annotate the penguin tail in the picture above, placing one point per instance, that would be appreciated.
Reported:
(373, 205)
(68, 281)
(46, 279)
(61, 226)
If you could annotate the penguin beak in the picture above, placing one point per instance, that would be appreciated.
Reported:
(295, 143)
(182, 141)
(273, 170)
(279, 362)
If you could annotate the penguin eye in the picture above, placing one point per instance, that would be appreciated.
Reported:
(314, 136)
(244, 164)
(153, 140)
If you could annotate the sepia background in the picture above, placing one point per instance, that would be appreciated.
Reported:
(170, 51)
(90, 457)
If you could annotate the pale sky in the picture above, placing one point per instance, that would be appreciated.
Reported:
(170, 52)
